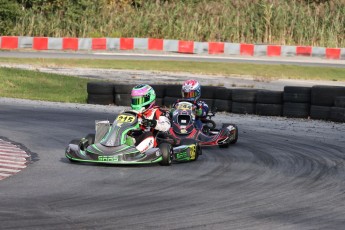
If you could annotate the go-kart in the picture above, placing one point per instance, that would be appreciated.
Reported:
(108, 145)
(183, 117)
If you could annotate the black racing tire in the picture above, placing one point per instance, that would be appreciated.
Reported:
(269, 109)
(223, 93)
(222, 105)
(122, 99)
(159, 101)
(169, 101)
(173, 91)
(339, 102)
(325, 95)
(105, 88)
(244, 95)
(320, 112)
(236, 134)
(269, 97)
(100, 99)
(74, 142)
(167, 154)
(297, 94)
(207, 92)
(159, 90)
(296, 110)
(123, 88)
(337, 114)
(243, 108)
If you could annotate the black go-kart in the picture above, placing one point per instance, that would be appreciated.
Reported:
(182, 119)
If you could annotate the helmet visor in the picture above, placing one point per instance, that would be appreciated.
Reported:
(191, 94)
(140, 100)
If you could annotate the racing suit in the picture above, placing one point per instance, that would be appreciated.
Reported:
(153, 120)
(201, 111)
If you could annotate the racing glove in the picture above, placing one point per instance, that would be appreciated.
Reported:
(198, 112)
(149, 123)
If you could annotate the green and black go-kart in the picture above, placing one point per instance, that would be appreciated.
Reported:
(108, 145)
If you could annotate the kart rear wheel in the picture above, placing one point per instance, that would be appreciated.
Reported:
(232, 141)
(167, 153)
(236, 134)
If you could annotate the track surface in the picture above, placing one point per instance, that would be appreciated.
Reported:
(282, 174)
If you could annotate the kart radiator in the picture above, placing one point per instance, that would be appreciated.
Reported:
(102, 128)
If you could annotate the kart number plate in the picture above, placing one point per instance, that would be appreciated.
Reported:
(185, 106)
(125, 118)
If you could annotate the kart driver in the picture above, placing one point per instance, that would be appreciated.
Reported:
(191, 91)
(153, 118)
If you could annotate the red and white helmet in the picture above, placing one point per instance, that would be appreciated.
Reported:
(191, 90)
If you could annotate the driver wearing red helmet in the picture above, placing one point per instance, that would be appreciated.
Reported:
(191, 91)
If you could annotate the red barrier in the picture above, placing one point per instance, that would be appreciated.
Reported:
(9, 42)
(303, 50)
(40, 43)
(126, 43)
(99, 44)
(273, 51)
(155, 44)
(247, 49)
(186, 46)
(215, 47)
(70, 43)
(333, 53)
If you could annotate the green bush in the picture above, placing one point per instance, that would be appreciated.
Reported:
(290, 22)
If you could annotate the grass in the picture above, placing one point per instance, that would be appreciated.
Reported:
(259, 71)
(285, 22)
(35, 85)
(26, 84)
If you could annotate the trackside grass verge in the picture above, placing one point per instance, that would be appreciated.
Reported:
(26, 84)
(259, 71)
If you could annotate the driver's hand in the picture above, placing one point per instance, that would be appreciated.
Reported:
(148, 123)
(198, 112)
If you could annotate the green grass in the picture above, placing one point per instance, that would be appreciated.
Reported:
(259, 71)
(35, 85)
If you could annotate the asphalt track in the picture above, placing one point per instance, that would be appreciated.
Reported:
(282, 174)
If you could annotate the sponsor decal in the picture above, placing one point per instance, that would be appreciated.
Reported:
(108, 158)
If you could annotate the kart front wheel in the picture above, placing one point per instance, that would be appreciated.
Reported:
(167, 153)
(74, 142)
(198, 151)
